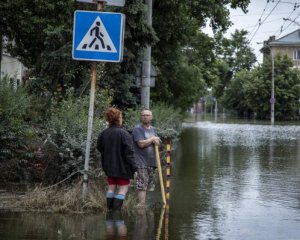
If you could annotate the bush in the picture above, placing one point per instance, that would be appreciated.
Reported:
(53, 149)
(15, 132)
(64, 149)
(14, 104)
(166, 119)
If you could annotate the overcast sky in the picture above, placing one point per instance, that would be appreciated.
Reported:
(265, 18)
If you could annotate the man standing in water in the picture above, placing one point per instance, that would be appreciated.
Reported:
(144, 137)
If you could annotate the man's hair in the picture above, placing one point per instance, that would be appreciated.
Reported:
(146, 109)
(113, 115)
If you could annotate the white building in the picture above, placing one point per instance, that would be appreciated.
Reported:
(12, 67)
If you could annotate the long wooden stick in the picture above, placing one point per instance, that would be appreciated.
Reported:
(162, 188)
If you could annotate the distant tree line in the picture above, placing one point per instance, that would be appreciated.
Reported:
(39, 33)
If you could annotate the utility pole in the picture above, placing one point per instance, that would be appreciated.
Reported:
(146, 66)
(272, 100)
(1, 51)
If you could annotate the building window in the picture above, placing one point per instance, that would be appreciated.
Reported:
(296, 55)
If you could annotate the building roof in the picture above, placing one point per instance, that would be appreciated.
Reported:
(290, 39)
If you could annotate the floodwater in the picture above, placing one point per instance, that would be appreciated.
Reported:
(228, 181)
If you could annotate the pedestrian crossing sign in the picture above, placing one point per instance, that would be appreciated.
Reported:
(98, 36)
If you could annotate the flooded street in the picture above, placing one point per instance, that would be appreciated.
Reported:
(228, 181)
(241, 181)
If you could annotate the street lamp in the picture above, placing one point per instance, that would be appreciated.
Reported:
(272, 99)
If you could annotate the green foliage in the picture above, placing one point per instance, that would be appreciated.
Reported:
(121, 77)
(188, 85)
(234, 56)
(176, 54)
(166, 119)
(236, 51)
(15, 150)
(249, 92)
(235, 95)
(39, 33)
(67, 133)
(14, 104)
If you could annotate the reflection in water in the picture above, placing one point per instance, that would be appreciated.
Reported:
(167, 221)
(115, 227)
(36, 226)
(144, 224)
(160, 224)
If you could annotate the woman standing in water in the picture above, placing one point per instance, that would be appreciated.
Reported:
(117, 157)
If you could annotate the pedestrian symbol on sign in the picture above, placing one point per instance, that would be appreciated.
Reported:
(97, 39)
(98, 36)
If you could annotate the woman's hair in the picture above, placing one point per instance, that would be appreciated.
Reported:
(113, 116)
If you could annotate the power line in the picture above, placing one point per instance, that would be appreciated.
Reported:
(258, 22)
(292, 21)
(255, 14)
(264, 19)
(287, 2)
(281, 28)
(274, 20)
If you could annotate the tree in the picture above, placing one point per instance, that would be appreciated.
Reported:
(39, 33)
(177, 24)
(249, 92)
(235, 55)
(287, 86)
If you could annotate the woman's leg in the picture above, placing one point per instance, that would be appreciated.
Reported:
(120, 196)
(110, 194)
(123, 190)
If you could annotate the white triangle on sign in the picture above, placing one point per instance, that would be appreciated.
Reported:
(97, 39)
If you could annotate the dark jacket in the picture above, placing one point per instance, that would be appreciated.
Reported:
(117, 155)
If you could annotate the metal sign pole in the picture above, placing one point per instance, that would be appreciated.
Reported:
(90, 119)
(146, 71)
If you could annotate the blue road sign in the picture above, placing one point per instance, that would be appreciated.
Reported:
(98, 36)
(272, 100)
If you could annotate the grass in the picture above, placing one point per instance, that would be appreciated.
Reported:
(64, 199)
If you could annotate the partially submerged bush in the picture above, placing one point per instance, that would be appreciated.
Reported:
(62, 199)
(69, 198)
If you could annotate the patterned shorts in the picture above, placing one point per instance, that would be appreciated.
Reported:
(146, 178)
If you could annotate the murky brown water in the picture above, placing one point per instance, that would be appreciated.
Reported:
(229, 181)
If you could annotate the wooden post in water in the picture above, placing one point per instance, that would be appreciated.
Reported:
(168, 174)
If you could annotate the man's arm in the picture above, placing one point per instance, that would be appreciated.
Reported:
(149, 141)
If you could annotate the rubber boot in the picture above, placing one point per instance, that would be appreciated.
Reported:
(117, 204)
(109, 202)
